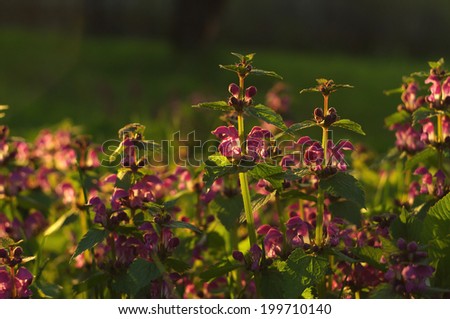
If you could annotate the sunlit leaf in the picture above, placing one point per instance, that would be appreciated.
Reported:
(90, 240)
(215, 106)
(266, 114)
(349, 125)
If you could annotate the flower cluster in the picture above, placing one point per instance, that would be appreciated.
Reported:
(408, 273)
(15, 280)
(258, 144)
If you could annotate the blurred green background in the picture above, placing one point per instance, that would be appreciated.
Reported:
(102, 64)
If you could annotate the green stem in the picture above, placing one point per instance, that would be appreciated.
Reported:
(319, 217)
(84, 216)
(243, 179)
(248, 208)
(321, 193)
(440, 133)
(440, 139)
(282, 221)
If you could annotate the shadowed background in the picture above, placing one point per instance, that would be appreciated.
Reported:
(102, 64)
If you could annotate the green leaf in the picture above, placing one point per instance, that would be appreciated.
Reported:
(422, 113)
(397, 118)
(47, 290)
(300, 126)
(370, 255)
(398, 90)
(95, 280)
(384, 291)
(212, 173)
(221, 106)
(273, 284)
(295, 275)
(219, 160)
(180, 224)
(227, 210)
(220, 269)
(142, 272)
(436, 64)
(266, 114)
(259, 201)
(65, 219)
(296, 194)
(437, 220)
(90, 240)
(342, 256)
(274, 174)
(307, 90)
(6, 242)
(124, 178)
(177, 265)
(232, 68)
(297, 173)
(346, 210)
(349, 125)
(421, 158)
(266, 73)
(311, 268)
(346, 186)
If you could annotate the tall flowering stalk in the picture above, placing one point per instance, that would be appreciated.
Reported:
(328, 157)
(239, 152)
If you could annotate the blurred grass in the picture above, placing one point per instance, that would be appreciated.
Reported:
(104, 83)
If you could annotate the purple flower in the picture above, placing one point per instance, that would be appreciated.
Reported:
(22, 283)
(99, 208)
(22, 280)
(413, 192)
(5, 284)
(440, 183)
(127, 249)
(435, 88)
(258, 143)
(250, 92)
(407, 138)
(66, 192)
(129, 153)
(427, 135)
(336, 155)
(140, 193)
(296, 230)
(446, 126)
(255, 257)
(427, 180)
(230, 145)
(273, 242)
(116, 197)
(409, 97)
(312, 152)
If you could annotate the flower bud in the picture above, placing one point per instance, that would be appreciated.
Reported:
(234, 89)
(412, 246)
(318, 114)
(331, 110)
(173, 242)
(401, 244)
(250, 92)
(238, 256)
(17, 251)
(3, 253)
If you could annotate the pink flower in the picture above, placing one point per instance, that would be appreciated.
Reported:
(296, 230)
(258, 143)
(230, 145)
(273, 242)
